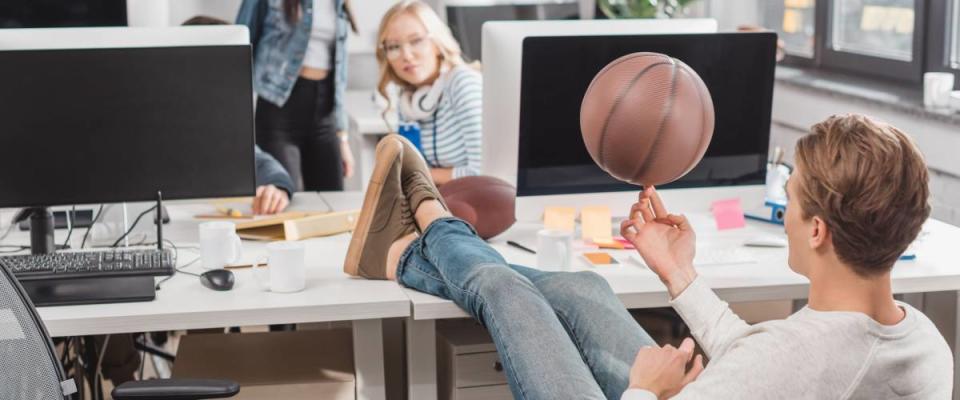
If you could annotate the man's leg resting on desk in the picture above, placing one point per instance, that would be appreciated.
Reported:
(604, 333)
(548, 352)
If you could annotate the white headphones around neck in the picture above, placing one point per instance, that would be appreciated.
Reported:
(422, 102)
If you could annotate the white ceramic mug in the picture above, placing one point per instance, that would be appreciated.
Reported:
(219, 244)
(554, 249)
(936, 89)
(287, 270)
(955, 100)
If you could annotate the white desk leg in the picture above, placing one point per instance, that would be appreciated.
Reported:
(422, 359)
(368, 359)
(955, 311)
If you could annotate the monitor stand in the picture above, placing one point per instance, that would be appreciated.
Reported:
(41, 231)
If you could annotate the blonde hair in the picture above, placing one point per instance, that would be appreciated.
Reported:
(868, 181)
(450, 54)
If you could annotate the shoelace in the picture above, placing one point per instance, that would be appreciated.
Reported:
(406, 214)
(417, 182)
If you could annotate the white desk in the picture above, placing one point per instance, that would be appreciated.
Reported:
(935, 269)
(182, 303)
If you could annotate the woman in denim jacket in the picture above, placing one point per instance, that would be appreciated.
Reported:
(299, 74)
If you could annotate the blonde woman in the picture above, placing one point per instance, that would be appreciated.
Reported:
(440, 97)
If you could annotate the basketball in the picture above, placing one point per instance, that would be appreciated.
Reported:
(487, 203)
(647, 119)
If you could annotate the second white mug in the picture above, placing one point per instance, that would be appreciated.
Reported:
(936, 89)
(287, 270)
(554, 249)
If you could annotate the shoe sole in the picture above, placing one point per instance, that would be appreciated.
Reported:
(391, 149)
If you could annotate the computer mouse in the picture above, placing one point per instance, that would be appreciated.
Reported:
(217, 279)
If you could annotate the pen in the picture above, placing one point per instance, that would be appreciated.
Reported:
(521, 247)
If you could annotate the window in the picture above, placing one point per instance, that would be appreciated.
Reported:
(878, 28)
(880, 38)
(794, 21)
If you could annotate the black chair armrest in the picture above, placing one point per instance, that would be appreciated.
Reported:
(176, 389)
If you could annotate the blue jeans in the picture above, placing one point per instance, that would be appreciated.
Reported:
(559, 334)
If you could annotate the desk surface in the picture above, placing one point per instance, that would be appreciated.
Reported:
(182, 303)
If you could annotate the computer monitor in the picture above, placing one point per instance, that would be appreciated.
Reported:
(99, 115)
(737, 68)
(62, 13)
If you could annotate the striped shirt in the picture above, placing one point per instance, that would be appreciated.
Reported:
(451, 137)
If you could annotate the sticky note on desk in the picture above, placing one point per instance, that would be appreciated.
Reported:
(559, 218)
(607, 243)
(728, 214)
(600, 258)
(596, 223)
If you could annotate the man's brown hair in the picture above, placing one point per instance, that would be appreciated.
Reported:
(868, 182)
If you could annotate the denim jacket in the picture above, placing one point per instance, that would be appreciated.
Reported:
(278, 50)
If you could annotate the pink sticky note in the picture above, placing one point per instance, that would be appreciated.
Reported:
(728, 214)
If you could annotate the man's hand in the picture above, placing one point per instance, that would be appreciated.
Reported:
(666, 242)
(661, 370)
(270, 200)
(346, 157)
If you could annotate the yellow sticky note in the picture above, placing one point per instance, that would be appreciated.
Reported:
(596, 223)
(559, 218)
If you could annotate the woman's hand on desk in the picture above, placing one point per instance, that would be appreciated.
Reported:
(666, 241)
(270, 200)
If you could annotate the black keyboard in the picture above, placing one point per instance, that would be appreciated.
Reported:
(91, 264)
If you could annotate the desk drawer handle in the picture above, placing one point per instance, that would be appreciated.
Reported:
(497, 366)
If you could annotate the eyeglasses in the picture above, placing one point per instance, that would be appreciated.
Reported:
(393, 50)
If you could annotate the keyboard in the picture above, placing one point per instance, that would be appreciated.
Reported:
(91, 264)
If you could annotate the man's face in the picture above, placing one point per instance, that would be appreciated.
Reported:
(798, 230)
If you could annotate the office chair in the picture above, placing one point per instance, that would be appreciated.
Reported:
(29, 368)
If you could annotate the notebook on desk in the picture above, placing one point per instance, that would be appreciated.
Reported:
(292, 225)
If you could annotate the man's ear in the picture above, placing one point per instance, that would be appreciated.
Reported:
(819, 233)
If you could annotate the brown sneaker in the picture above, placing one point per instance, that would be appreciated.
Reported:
(384, 218)
(415, 177)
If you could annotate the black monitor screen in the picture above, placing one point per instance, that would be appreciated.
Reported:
(110, 125)
(62, 13)
(556, 71)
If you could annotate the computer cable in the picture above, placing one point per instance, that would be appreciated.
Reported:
(176, 252)
(70, 215)
(133, 225)
(95, 219)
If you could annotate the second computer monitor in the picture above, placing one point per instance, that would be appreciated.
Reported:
(736, 67)
(98, 115)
